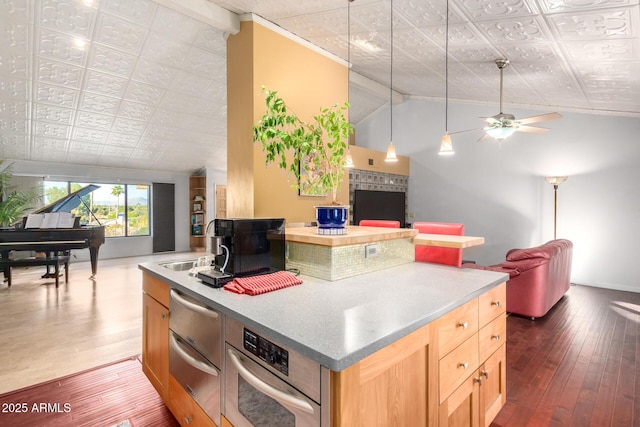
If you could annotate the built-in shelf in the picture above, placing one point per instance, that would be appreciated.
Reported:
(197, 212)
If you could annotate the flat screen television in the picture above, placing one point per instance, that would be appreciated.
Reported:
(372, 204)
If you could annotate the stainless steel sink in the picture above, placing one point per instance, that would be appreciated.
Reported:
(179, 265)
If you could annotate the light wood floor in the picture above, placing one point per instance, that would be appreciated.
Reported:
(46, 333)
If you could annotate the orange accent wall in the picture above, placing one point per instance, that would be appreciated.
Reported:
(307, 81)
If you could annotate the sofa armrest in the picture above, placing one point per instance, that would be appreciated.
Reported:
(512, 272)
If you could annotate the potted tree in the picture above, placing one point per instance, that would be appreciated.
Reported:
(318, 159)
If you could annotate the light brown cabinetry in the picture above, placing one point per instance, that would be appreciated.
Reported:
(198, 212)
(155, 333)
(184, 408)
(388, 388)
(472, 376)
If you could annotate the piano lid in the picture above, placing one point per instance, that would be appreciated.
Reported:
(68, 202)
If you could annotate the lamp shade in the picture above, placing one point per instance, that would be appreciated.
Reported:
(501, 133)
(556, 180)
(391, 154)
(446, 147)
(348, 160)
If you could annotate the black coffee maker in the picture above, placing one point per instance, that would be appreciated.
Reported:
(245, 247)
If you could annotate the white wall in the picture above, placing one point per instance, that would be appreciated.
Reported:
(498, 190)
(126, 246)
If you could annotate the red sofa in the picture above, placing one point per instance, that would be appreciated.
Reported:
(538, 277)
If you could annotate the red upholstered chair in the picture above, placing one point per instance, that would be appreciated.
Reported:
(436, 254)
(379, 223)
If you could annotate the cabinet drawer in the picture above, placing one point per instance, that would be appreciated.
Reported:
(492, 336)
(184, 408)
(457, 326)
(492, 303)
(456, 366)
(156, 288)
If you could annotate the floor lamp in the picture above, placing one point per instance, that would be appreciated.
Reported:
(555, 181)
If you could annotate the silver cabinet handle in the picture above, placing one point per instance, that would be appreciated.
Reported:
(477, 380)
(192, 306)
(495, 337)
(265, 388)
(495, 303)
(485, 373)
(204, 367)
(463, 325)
(463, 365)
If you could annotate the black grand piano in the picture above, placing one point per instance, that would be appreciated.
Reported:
(50, 240)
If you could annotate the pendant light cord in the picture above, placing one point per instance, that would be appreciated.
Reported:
(391, 78)
(349, 58)
(446, 73)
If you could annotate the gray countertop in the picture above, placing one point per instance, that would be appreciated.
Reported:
(340, 323)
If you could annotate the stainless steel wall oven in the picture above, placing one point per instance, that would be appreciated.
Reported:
(269, 385)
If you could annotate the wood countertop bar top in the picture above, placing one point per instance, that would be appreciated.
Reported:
(355, 235)
(447, 241)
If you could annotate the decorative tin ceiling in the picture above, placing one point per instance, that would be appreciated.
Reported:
(135, 84)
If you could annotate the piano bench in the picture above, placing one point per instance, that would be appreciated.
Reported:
(57, 261)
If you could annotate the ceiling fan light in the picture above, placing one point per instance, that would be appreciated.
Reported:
(500, 133)
(446, 147)
(391, 154)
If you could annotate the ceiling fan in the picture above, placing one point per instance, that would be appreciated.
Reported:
(503, 125)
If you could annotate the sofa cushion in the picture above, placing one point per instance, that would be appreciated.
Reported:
(547, 250)
(522, 254)
(525, 264)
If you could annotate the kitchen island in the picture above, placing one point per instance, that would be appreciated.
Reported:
(383, 335)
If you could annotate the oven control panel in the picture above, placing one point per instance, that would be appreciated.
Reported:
(270, 353)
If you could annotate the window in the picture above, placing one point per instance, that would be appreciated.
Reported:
(122, 208)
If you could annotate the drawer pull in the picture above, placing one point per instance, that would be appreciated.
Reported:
(198, 364)
(191, 305)
(463, 325)
(477, 380)
(463, 365)
(485, 373)
(187, 420)
(495, 337)
(495, 303)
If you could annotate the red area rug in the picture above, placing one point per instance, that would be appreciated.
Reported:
(117, 394)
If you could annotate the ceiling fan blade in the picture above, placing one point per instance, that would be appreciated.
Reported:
(464, 131)
(531, 129)
(483, 138)
(491, 120)
(540, 118)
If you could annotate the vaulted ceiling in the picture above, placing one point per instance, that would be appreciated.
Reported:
(137, 84)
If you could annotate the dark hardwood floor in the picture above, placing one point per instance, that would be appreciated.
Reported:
(106, 396)
(576, 366)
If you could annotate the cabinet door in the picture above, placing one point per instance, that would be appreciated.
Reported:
(388, 388)
(155, 343)
(462, 407)
(494, 385)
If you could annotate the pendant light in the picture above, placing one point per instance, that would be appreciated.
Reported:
(391, 150)
(446, 147)
(348, 160)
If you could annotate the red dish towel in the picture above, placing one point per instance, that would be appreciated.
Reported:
(256, 285)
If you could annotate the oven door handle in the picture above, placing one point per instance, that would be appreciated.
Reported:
(192, 306)
(274, 393)
(198, 364)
